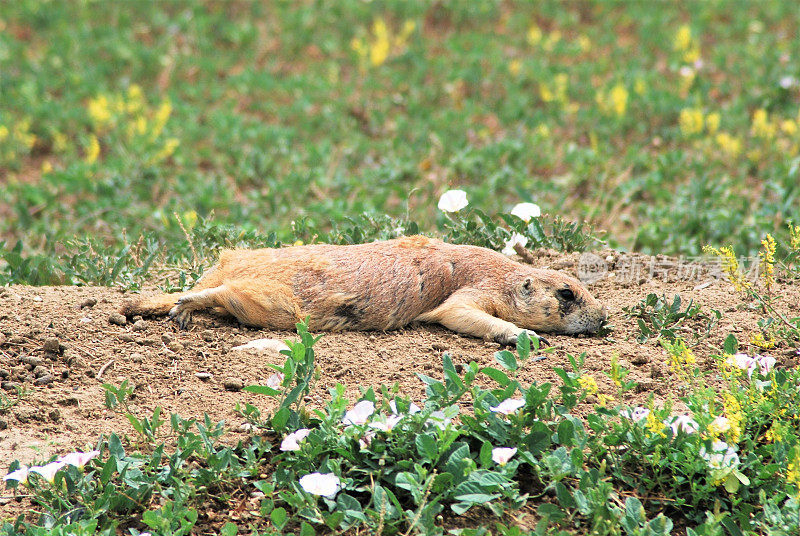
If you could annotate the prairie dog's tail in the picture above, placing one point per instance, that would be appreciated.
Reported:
(157, 305)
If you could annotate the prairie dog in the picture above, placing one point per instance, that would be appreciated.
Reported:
(385, 285)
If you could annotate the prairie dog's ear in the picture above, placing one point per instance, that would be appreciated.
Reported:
(526, 287)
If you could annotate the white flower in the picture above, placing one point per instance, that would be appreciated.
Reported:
(365, 440)
(49, 471)
(275, 380)
(412, 408)
(508, 406)
(324, 484)
(526, 211)
(721, 455)
(719, 425)
(765, 363)
(686, 71)
(360, 413)
(501, 455)
(20, 475)
(515, 239)
(637, 414)
(743, 362)
(453, 201)
(385, 424)
(292, 441)
(439, 420)
(682, 423)
(78, 459)
(787, 82)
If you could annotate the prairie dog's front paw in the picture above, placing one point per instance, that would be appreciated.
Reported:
(510, 339)
(181, 314)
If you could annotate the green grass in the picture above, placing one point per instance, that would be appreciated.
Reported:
(276, 116)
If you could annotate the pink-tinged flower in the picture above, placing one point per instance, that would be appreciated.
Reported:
(292, 441)
(20, 475)
(501, 456)
(79, 459)
(637, 414)
(719, 425)
(48, 472)
(360, 413)
(275, 380)
(412, 408)
(366, 440)
(453, 201)
(682, 423)
(721, 456)
(765, 363)
(743, 362)
(321, 484)
(515, 239)
(526, 211)
(438, 419)
(385, 424)
(508, 406)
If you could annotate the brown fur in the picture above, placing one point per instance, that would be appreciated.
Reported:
(385, 285)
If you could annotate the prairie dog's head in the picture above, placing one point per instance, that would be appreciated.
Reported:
(549, 301)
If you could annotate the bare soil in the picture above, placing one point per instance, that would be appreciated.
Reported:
(55, 341)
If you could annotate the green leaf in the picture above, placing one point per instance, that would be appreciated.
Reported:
(427, 446)
(497, 375)
(278, 517)
(564, 496)
(307, 530)
(731, 345)
(229, 529)
(261, 390)
(486, 454)
(280, 419)
(506, 359)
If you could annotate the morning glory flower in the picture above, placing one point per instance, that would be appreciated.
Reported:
(20, 475)
(515, 239)
(292, 441)
(48, 472)
(526, 211)
(360, 413)
(501, 455)
(321, 484)
(508, 406)
(78, 459)
(682, 423)
(637, 414)
(453, 201)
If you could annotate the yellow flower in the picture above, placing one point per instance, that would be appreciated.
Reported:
(3, 132)
(47, 167)
(552, 39)
(534, 35)
(680, 356)
(768, 258)
(793, 469)
(761, 126)
(758, 339)
(775, 433)
(794, 236)
(169, 147)
(542, 130)
(683, 38)
(160, 119)
(619, 99)
(691, 121)
(514, 67)
(730, 145)
(639, 86)
(59, 142)
(712, 122)
(135, 99)
(379, 50)
(92, 151)
(603, 399)
(584, 43)
(546, 93)
(730, 265)
(99, 111)
(654, 425)
(789, 127)
(588, 384)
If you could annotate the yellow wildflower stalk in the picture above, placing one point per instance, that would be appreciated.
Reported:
(730, 265)
(767, 256)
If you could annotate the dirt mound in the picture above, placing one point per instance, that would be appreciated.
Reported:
(59, 344)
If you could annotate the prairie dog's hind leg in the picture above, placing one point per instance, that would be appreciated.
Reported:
(261, 305)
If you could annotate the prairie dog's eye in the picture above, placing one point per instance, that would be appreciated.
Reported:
(566, 294)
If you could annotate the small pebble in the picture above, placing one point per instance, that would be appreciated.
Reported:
(640, 360)
(32, 360)
(205, 376)
(440, 347)
(52, 345)
(140, 325)
(89, 302)
(136, 318)
(233, 384)
(207, 335)
(4, 374)
(54, 414)
(175, 346)
(44, 380)
(2, 338)
(118, 319)
(8, 386)
(3, 424)
(40, 371)
(126, 337)
(136, 357)
(166, 338)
